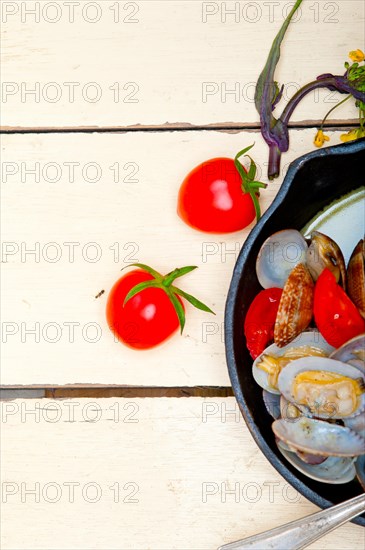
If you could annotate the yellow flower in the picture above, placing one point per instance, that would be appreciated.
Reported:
(357, 133)
(320, 138)
(357, 56)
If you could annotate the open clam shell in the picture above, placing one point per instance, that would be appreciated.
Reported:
(323, 399)
(356, 423)
(360, 470)
(304, 457)
(334, 470)
(272, 403)
(352, 352)
(310, 338)
(278, 255)
(318, 437)
(288, 411)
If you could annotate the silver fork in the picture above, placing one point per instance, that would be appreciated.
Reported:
(302, 532)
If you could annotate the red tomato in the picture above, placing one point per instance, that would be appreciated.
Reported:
(147, 319)
(336, 317)
(260, 320)
(211, 198)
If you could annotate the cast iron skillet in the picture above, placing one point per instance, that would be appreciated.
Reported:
(312, 182)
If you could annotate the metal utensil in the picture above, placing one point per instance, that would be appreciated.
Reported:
(302, 532)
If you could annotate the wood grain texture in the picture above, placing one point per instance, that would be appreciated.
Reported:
(82, 233)
(147, 473)
(115, 64)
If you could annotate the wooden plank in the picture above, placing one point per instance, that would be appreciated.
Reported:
(145, 473)
(54, 330)
(122, 63)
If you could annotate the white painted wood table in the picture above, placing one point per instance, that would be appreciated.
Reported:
(105, 107)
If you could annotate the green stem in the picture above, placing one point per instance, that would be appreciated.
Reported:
(165, 283)
(170, 277)
(249, 184)
(333, 108)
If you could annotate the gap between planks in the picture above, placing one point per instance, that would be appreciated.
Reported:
(69, 392)
(174, 126)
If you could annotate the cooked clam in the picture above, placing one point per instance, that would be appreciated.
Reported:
(324, 252)
(356, 277)
(334, 469)
(318, 437)
(304, 458)
(360, 470)
(267, 367)
(313, 460)
(288, 410)
(356, 423)
(324, 387)
(295, 307)
(272, 403)
(279, 254)
(352, 352)
(315, 394)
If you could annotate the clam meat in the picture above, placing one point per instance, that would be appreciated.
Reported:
(267, 367)
(323, 387)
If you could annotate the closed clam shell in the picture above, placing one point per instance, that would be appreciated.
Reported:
(335, 470)
(356, 277)
(324, 252)
(295, 307)
(318, 437)
(327, 407)
(308, 338)
(278, 255)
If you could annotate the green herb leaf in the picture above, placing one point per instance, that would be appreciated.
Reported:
(249, 185)
(164, 283)
(252, 170)
(240, 153)
(193, 301)
(178, 272)
(258, 185)
(141, 286)
(256, 205)
(147, 268)
(242, 172)
(178, 308)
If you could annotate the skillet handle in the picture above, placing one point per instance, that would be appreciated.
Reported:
(302, 532)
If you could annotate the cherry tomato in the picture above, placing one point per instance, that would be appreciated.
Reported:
(147, 319)
(260, 320)
(336, 316)
(144, 309)
(220, 195)
(211, 198)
